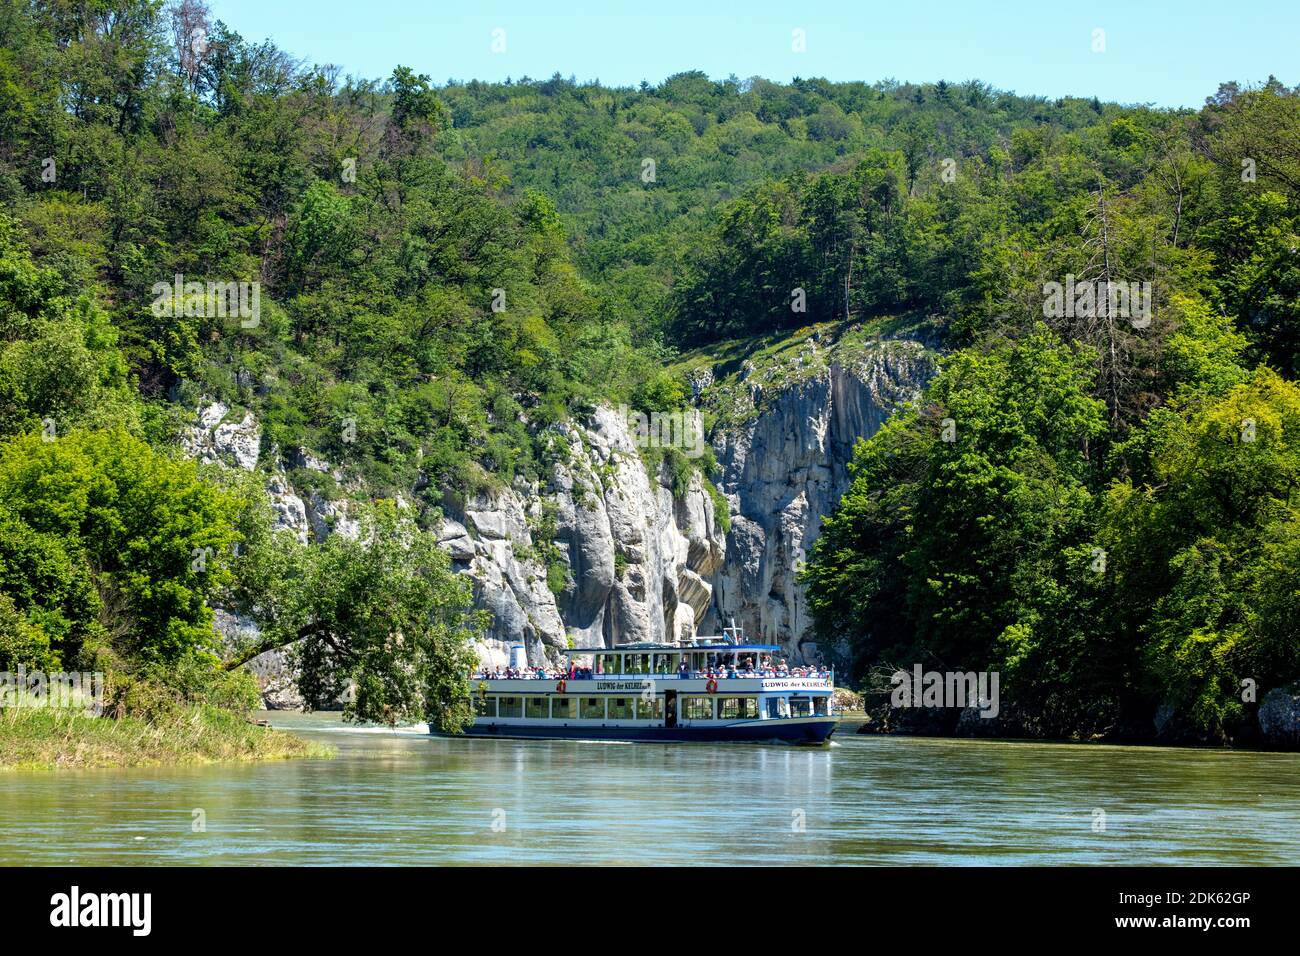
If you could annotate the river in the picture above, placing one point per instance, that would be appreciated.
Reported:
(405, 798)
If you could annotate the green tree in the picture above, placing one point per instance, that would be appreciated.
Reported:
(155, 537)
(965, 532)
(381, 614)
(1200, 552)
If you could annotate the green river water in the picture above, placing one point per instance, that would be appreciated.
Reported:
(403, 797)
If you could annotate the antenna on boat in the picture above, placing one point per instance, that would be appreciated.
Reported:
(733, 633)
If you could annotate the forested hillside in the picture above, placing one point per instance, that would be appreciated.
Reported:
(1098, 502)
(1102, 506)
(1105, 516)
(638, 174)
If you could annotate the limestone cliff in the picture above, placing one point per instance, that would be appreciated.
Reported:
(627, 560)
(783, 446)
(605, 551)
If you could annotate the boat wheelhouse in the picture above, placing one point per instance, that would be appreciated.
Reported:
(711, 689)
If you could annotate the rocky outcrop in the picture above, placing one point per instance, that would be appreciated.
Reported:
(604, 553)
(491, 541)
(272, 670)
(237, 444)
(213, 439)
(786, 467)
(605, 550)
(325, 515)
(290, 511)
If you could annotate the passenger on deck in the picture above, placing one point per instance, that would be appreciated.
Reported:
(684, 669)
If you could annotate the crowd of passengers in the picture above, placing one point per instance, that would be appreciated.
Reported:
(715, 671)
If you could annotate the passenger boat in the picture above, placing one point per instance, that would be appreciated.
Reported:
(710, 689)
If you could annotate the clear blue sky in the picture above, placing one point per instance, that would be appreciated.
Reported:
(1164, 52)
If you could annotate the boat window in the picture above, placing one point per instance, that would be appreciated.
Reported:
(777, 707)
(485, 706)
(800, 707)
(562, 708)
(510, 707)
(698, 708)
(652, 709)
(620, 708)
(664, 664)
(536, 707)
(820, 707)
(737, 708)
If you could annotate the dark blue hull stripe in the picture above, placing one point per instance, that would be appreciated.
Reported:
(774, 731)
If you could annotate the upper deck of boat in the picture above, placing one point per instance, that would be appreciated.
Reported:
(705, 659)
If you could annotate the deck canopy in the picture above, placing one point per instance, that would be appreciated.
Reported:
(669, 648)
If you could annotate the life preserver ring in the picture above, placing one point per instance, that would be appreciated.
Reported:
(711, 686)
(560, 685)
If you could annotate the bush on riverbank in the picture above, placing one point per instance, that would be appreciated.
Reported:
(37, 737)
(188, 713)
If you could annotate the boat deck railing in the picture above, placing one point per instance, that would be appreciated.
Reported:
(826, 675)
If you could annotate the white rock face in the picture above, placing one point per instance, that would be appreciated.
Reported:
(273, 670)
(784, 470)
(328, 517)
(212, 439)
(635, 562)
(628, 559)
(290, 511)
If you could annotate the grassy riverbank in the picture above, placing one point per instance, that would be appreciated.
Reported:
(37, 738)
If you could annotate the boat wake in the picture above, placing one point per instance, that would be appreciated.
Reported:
(413, 730)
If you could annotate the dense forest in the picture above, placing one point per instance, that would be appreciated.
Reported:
(1101, 506)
